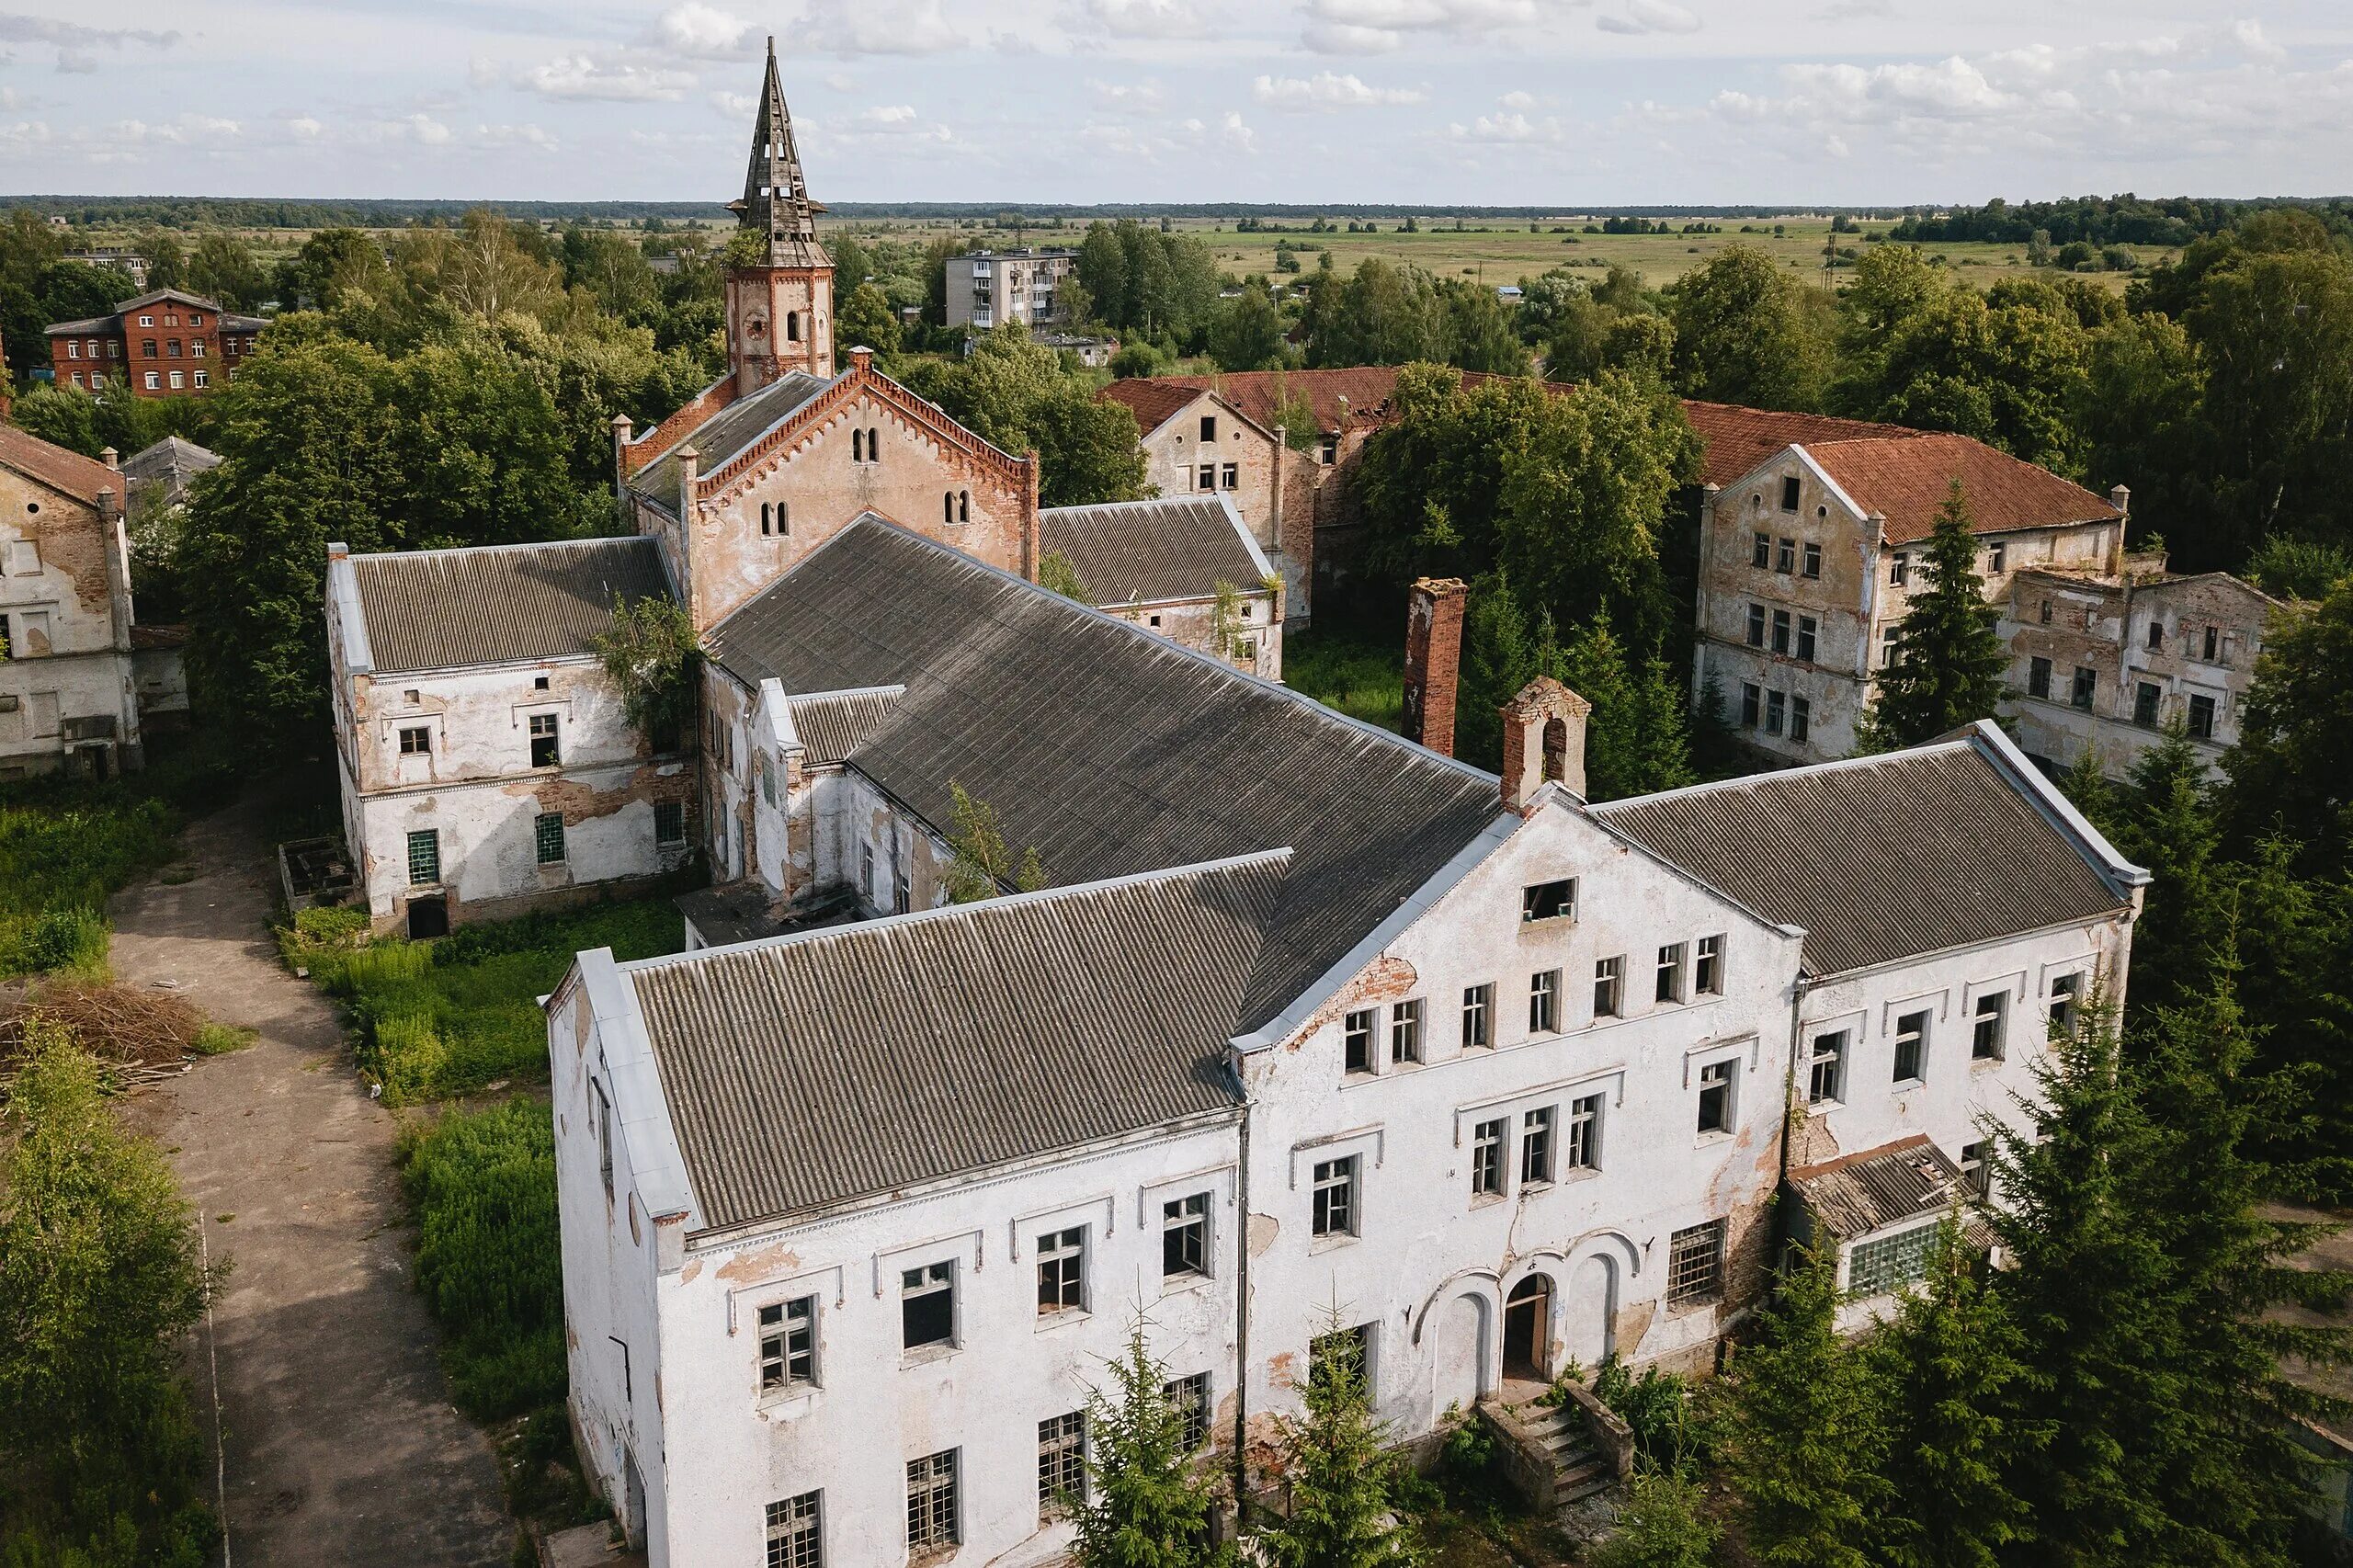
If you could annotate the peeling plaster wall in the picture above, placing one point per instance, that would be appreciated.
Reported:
(64, 591)
(1425, 1241)
(1192, 623)
(1174, 452)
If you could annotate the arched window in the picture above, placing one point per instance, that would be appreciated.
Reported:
(792, 327)
(764, 517)
(1556, 749)
(873, 445)
(947, 507)
(756, 328)
(964, 507)
(857, 446)
(783, 517)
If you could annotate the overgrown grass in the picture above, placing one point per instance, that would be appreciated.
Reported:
(488, 1259)
(1346, 667)
(453, 1015)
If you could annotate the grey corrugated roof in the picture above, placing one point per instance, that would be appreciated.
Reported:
(433, 609)
(1110, 749)
(1880, 857)
(835, 723)
(1856, 1194)
(726, 433)
(172, 463)
(1178, 547)
(814, 1069)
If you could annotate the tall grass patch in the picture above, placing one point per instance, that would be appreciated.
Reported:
(488, 1257)
(1346, 668)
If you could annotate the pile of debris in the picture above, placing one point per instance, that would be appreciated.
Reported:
(144, 1037)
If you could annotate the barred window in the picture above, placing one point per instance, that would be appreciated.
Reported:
(796, 1538)
(547, 837)
(1875, 1267)
(669, 822)
(1189, 1398)
(1062, 1463)
(787, 1344)
(424, 857)
(931, 1502)
(1695, 1264)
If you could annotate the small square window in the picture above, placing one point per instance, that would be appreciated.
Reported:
(1608, 987)
(416, 740)
(1356, 1036)
(1715, 1096)
(1405, 1030)
(928, 1306)
(1708, 968)
(547, 837)
(1478, 1017)
(1536, 1145)
(1912, 1047)
(1985, 1029)
(1550, 901)
(1487, 1157)
(1185, 1237)
(1669, 987)
(787, 1344)
(1061, 1272)
(1544, 1002)
(1335, 1197)
(1695, 1264)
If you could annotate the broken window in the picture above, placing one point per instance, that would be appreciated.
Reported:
(1891, 647)
(2087, 682)
(1751, 701)
(2145, 699)
(1760, 552)
(1487, 1157)
(1806, 627)
(2156, 633)
(1061, 1272)
(1785, 556)
(544, 750)
(1544, 1002)
(787, 1344)
(1062, 1463)
(1756, 626)
(1229, 476)
(547, 837)
(1708, 968)
(795, 1537)
(416, 740)
(928, 1306)
(1715, 1096)
(1986, 1033)
(1355, 1033)
(1788, 493)
(1346, 1353)
(1996, 559)
(931, 1503)
(1975, 1168)
(1695, 1264)
(1780, 631)
(2037, 677)
(2213, 643)
(1827, 1069)
(1800, 718)
(1814, 561)
(669, 822)
(1478, 1015)
(1335, 1197)
(1536, 1145)
(1405, 1030)
(424, 857)
(1585, 1133)
(1608, 987)
(1185, 1237)
(1549, 900)
(1189, 1398)
(1207, 478)
(1912, 1047)
(2065, 990)
(2202, 718)
(1669, 987)
(1899, 569)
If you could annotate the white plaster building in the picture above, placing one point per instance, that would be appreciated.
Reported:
(1182, 565)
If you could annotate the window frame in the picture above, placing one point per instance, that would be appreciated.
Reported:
(1356, 1041)
(1760, 549)
(1488, 1139)
(1609, 987)
(1335, 1214)
(1406, 1032)
(548, 834)
(2037, 677)
(1695, 1263)
(1062, 1461)
(778, 1376)
(1811, 566)
(1184, 1230)
(416, 740)
(1989, 1026)
(1537, 1146)
(1707, 966)
(1543, 903)
(1825, 1063)
(1581, 1150)
(942, 1523)
(1060, 1272)
(1479, 1016)
(545, 732)
(432, 844)
(1756, 626)
(1909, 1040)
(1188, 1396)
(1718, 1084)
(1544, 1003)
(1667, 976)
(1893, 1261)
(796, 1531)
(921, 1283)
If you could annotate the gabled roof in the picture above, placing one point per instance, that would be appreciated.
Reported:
(1112, 750)
(728, 432)
(1360, 389)
(180, 295)
(857, 1061)
(833, 724)
(1175, 547)
(1907, 478)
(1735, 440)
(172, 463)
(67, 472)
(1883, 857)
(431, 610)
(87, 325)
(1154, 400)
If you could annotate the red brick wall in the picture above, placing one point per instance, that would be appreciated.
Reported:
(1433, 660)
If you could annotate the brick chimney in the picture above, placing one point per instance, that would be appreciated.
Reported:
(1543, 742)
(622, 429)
(1433, 659)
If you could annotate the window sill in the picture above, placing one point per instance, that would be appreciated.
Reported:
(1984, 1064)
(788, 1405)
(1184, 1284)
(1905, 1085)
(1331, 1244)
(924, 1355)
(1049, 1322)
(1716, 1135)
(1487, 1201)
(1706, 1303)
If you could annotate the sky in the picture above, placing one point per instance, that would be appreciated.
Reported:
(1549, 103)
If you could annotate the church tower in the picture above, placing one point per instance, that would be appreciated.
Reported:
(779, 280)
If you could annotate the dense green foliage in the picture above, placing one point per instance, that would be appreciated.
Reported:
(983, 864)
(1149, 1502)
(652, 654)
(2103, 221)
(1020, 397)
(1343, 1484)
(1949, 662)
(100, 1274)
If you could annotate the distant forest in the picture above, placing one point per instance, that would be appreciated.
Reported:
(2100, 220)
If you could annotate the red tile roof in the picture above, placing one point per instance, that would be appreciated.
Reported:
(1738, 439)
(1258, 393)
(1152, 400)
(1906, 478)
(69, 473)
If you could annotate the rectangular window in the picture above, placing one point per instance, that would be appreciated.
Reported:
(2156, 633)
(1912, 1047)
(1695, 1264)
(1827, 1069)
(795, 1537)
(1669, 986)
(1785, 556)
(1478, 1017)
(1585, 1133)
(1487, 1157)
(1975, 1168)
(1062, 1463)
(669, 822)
(1356, 1034)
(154, 383)
(604, 1135)
(1335, 1197)
(1207, 477)
(1806, 629)
(201, 378)
(1550, 901)
(902, 880)
(1189, 1398)
(1788, 493)
(2213, 643)
(1209, 426)
(1405, 1030)
(1061, 1272)
(545, 753)
(1544, 1002)
(1608, 987)
(547, 837)
(1985, 1032)
(1536, 1145)
(2202, 718)
(2145, 697)
(1229, 476)
(1760, 551)
(1800, 718)
(1891, 647)
(1814, 561)
(416, 740)
(928, 1306)
(2087, 681)
(2066, 989)
(1998, 558)
(1751, 702)
(1776, 709)
(2042, 612)
(1185, 1237)
(931, 1503)
(788, 1344)
(179, 379)
(1899, 569)
(1876, 1268)
(1715, 1098)
(2037, 677)
(1780, 631)
(1346, 1354)
(73, 348)
(1756, 626)
(1708, 968)
(424, 857)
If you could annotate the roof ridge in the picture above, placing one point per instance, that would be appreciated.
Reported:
(1811, 769)
(898, 689)
(1180, 499)
(961, 911)
(451, 549)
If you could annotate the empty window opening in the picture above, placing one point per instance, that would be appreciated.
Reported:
(1185, 1237)
(1335, 1197)
(2066, 991)
(792, 327)
(1669, 987)
(1708, 968)
(1715, 1098)
(1357, 1041)
(1827, 1069)
(1556, 750)
(1608, 987)
(1788, 493)
(2202, 718)
(1760, 551)
(1061, 1272)
(1912, 1047)
(1985, 1031)
(1550, 901)
(928, 1306)
(1209, 426)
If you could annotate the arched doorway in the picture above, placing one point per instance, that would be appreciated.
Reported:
(1586, 1317)
(1527, 1329)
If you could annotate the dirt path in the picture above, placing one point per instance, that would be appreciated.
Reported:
(341, 1445)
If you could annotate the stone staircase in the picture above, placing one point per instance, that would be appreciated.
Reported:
(1579, 1467)
(1560, 1454)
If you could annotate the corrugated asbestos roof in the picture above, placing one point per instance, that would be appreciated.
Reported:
(1880, 859)
(1178, 547)
(834, 724)
(1856, 1194)
(1110, 750)
(862, 1060)
(432, 610)
(725, 434)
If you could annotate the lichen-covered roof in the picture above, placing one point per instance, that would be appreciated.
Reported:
(431, 610)
(1175, 547)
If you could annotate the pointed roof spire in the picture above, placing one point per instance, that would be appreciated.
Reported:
(776, 195)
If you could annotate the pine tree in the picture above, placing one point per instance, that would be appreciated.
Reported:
(1949, 662)
(1801, 1440)
(2295, 945)
(2163, 819)
(1341, 1479)
(1944, 1367)
(1148, 1505)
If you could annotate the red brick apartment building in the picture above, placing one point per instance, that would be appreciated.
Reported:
(165, 343)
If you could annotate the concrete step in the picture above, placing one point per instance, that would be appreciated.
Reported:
(1574, 1485)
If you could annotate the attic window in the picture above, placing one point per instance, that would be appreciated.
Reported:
(1789, 493)
(538, 682)
(1209, 426)
(1549, 900)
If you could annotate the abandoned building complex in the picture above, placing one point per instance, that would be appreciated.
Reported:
(164, 343)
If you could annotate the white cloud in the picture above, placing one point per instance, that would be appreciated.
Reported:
(1649, 16)
(2248, 34)
(893, 114)
(735, 106)
(514, 136)
(604, 78)
(879, 27)
(1327, 91)
(1129, 97)
(1143, 19)
(1517, 100)
(76, 63)
(1510, 128)
(841, 81)
(702, 31)
(1235, 136)
(1381, 27)
(16, 27)
(426, 129)
(302, 128)
(1854, 10)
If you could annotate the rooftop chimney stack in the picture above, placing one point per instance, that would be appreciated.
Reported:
(1433, 660)
(1544, 742)
(111, 457)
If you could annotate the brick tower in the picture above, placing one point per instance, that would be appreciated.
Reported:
(779, 280)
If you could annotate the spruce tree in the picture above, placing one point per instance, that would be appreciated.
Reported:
(1801, 1440)
(2163, 819)
(1342, 1480)
(1662, 1526)
(1943, 1368)
(1949, 662)
(1148, 1505)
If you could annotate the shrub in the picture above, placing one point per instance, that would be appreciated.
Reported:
(55, 939)
(1654, 1406)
